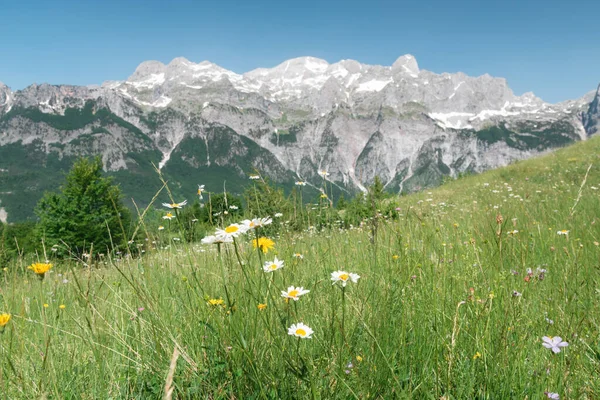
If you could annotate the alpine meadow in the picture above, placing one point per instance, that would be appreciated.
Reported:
(316, 200)
(486, 287)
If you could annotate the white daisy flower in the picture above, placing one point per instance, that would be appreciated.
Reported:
(200, 191)
(256, 222)
(300, 330)
(554, 343)
(274, 265)
(323, 173)
(175, 205)
(343, 276)
(563, 232)
(294, 293)
(169, 216)
(254, 177)
(233, 230)
(216, 239)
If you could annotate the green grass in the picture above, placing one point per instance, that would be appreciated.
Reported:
(432, 316)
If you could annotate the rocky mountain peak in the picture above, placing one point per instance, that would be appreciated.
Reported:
(148, 70)
(591, 118)
(5, 96)
(406, 64)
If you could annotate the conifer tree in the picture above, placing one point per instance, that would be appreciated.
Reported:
(87, 210)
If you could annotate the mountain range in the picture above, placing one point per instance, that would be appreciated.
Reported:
(199, 123)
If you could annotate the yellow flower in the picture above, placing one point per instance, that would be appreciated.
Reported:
(476, 356)
(62, 306)
(264, 244)
(262, 306)
(323, 196)
(4, 318)
(395, 257)
(46, 305)
(216, 302)
(40, 269)
(359, 358)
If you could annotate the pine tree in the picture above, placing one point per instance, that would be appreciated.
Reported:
(87, 210)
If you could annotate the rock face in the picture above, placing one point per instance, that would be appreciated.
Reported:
(591, 119)
(202, 124)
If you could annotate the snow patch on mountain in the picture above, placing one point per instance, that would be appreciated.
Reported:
(161, 102)
(373, 85)
(453, 120)
(150, 82)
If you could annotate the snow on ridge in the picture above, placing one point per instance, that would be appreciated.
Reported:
(353, 79)
(455, 89)
(161, 102)
(201, 66)
(316, 66)
(373, 85)
(453, 120)
(485, 114)
(150, 82)
(190, 86)
(410, 72)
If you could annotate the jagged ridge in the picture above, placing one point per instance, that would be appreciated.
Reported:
(409, 126)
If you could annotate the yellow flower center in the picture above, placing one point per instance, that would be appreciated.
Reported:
(293, 293)
(273, 267)
(300, 332)
(232, 229)
(344, 277)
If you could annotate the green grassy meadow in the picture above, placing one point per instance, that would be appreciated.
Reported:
(456, 291)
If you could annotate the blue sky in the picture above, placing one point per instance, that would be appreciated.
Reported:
(549, 47)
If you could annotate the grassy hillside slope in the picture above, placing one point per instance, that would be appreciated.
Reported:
(454, 297)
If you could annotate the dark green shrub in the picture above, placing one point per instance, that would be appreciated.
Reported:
(87, 211)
